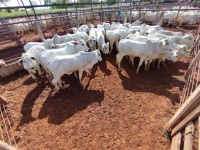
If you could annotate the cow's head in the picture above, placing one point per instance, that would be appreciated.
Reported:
(49, 43)
(182, 51)
(188, 40)
(172, 55)
(92, 43)
(28, 62)
(105, 48)
(81, 46)
(98, 55)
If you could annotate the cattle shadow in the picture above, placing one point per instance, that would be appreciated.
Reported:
(159, 82)
(65, 104)
(28, 104)
(103, 65)
(154, 81)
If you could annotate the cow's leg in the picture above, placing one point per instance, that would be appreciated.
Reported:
(158, 63)
(75, 75)
(60, 84)
(132, 61)
(118, 60)
(55, 83)
(111, 47)
(146, 64)
(80, 76)
(163, 62)
(140, 63)
(149, 63)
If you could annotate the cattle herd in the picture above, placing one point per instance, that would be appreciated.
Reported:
(150, 17)
(81, 50)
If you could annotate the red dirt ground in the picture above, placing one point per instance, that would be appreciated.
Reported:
(114, 110)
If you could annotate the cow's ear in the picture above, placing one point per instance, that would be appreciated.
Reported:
(33, 58)
(75, 43)
(20, 61)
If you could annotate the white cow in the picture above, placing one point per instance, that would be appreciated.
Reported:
(184, 40)
(92, 38)
(80, 61)
(84, 28)
(112, 37)
(170, 33)
(48, 44)
(57, 39)
(145, 50)
(104, 47)
(30, 62)
(189, 17)
(69, 37)
(71, 48)
(180, 48)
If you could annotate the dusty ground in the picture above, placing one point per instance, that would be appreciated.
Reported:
(114, 110)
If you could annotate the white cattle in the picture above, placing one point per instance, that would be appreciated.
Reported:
(104, 47)
(83, 36)
(112, 37)
(122, 33)
(190, 17)
(48, 44)
(80, 61)
(84, 28)
(69, 37)
(102, 30)
(136, 23)
(170, 33)
(166, 55)
(145, 50)
(71, 48)
(177, 47)
(57, 39)
(184, 40)
(92, 38)
(29, 60)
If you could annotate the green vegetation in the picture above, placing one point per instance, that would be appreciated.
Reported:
(17, 12)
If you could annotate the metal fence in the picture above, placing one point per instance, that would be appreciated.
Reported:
(6, 120)
(182, 122)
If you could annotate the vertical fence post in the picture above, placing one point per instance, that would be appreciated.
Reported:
(118, 16)
(84, 19)
(40, 31)
(176, 19)
(188, 142)
(102, 18)
(125, 17)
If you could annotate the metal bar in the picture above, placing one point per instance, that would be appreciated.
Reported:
(1, 132)
(198, 74)
(5, 126)
(183, 94)
(184, 97)
(9, 125)
(194, 73)
(33, 9)
(189, 87)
